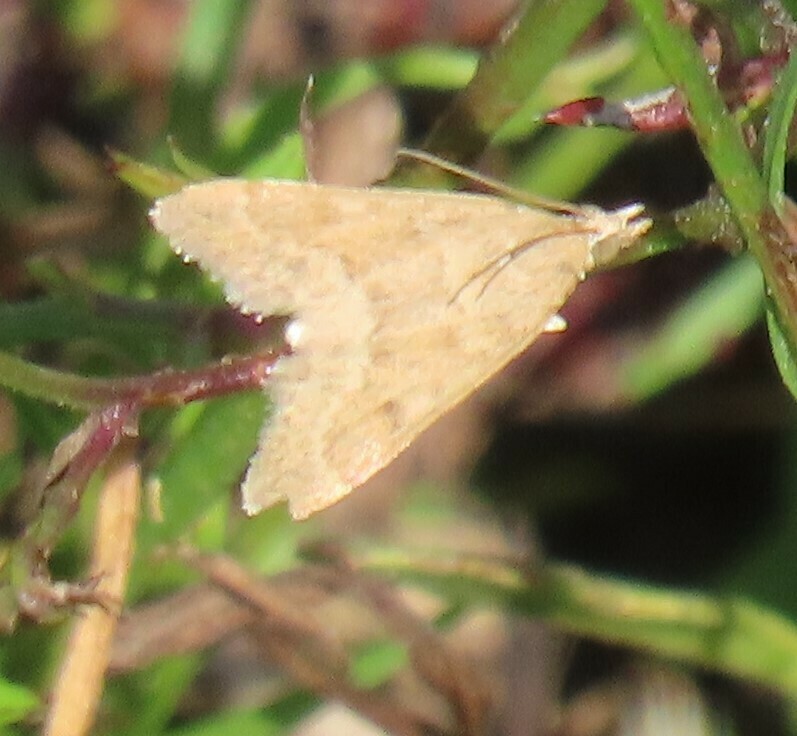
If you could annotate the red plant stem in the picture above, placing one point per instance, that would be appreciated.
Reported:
(62, 493)
(168, 387)
(101, 432)
(665, 110)
(180, 387)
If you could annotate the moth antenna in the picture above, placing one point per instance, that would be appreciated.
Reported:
(533, 200)
(500, 262)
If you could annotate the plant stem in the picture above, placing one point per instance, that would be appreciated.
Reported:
(508, 75)
(732, 636)
(156, 389)
(723, 145)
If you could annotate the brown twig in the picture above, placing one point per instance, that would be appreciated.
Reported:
(314, 653)
(79, 683)
(79, 455)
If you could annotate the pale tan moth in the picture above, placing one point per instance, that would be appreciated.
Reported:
(403, 303)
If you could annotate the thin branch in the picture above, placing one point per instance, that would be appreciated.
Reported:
(79, 685)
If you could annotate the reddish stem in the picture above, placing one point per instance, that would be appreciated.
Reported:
(665, 110)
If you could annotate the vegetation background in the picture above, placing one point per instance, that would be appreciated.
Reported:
(602, 541)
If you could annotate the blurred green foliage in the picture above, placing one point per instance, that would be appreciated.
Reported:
(198, 452)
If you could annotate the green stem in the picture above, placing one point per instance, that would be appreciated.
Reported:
(508, 75)
(64, 389)
(732, 636)
(723, 145)
(168, 387)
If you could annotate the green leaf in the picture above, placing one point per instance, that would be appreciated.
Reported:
(153, 696)
(88, 20)
(281, 717)
(776, 132)
(250, 137)
(377, 662)
(214, 30)
(284, 161)
(204, 464)
(16, 702)
(722, 309)
(430, 67)
(781, 350)
(11, 470)
(233, 722)
(506, 77)
(146, 179)
(592, 71)
(187, 166)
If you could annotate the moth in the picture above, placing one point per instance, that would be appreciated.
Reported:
(403, 302)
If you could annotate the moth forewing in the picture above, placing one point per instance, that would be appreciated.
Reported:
(385, 338)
